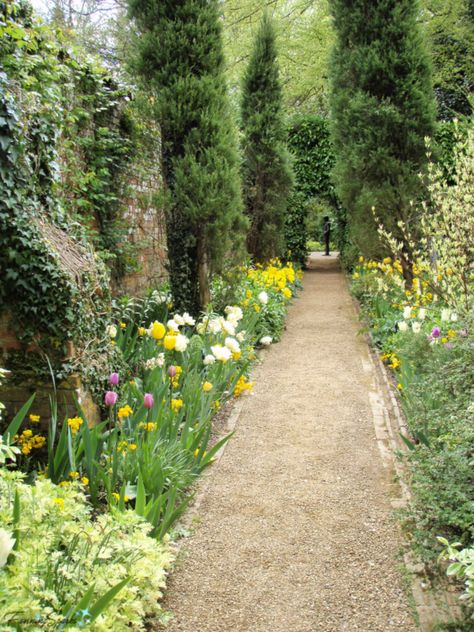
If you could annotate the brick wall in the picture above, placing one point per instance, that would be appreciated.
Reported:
(15, 395)
(146, 228)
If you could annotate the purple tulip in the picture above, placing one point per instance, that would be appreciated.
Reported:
(111, 398)
(114, 379)
(148, 400)
(436, 332)
(172, 370)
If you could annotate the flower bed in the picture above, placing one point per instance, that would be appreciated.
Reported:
(130, 476)
(430, 349)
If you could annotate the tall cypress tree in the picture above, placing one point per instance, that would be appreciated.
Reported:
(267, 175)
(181, 58)
(382, 107)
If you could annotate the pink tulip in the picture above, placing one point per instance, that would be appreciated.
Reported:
(172, 370)
(148, 400)
(111, 398)
(114, 379)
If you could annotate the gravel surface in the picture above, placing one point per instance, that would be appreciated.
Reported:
(295, 531)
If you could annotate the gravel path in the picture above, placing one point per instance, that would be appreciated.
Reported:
(295, 531)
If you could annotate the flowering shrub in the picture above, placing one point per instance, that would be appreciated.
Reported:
(441, 243)
(429, 347)
(62, 554)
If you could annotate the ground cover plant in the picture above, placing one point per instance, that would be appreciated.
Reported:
(76, 491)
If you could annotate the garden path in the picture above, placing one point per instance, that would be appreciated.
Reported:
(295, 531)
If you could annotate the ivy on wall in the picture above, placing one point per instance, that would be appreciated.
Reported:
(66, 141)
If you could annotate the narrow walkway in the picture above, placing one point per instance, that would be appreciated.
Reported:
(295, 533)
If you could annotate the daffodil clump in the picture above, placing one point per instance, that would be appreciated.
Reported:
(55, 553)
(428, 346)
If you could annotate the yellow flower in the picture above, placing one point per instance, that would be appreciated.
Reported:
(216, 405)
(65, 484)
(400, 387)
(248, 294)
(85, 480)
(141, 331)
(125, 411)
(256, 308)
(169, 342)
(237, 355)
(196, 453)
(116, 496)
(123, 326)
(361, 259)
(132, 447)
(158, 330)
(444, 340)
(451, 333)
(73, 475)
(176, 404)
(59, 502)
(286, 292)
(206, 387)
(75, 423)
(149, 426)
(242, 385)
(387, 260)
(35, 419)
(122, 447)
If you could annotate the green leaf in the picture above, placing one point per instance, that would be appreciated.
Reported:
(17, 420)
(102, 603)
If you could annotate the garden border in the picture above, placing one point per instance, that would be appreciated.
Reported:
(433, 605)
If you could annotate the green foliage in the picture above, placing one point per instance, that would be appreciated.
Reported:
(310, 143)
(67, 142)
(305, 33)
(181, 61)
(267, 175)
(430, 349)
(442, 244)
(383, 107)
(462, 567)
(98, 573)
(450, 28)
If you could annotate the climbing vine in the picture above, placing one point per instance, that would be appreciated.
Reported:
(66, 141)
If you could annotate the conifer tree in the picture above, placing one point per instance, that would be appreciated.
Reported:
(181, 59)
(267, 175)
(382, 107)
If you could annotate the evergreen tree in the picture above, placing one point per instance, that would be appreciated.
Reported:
(181, 59)
(383, 107)
(267, 175)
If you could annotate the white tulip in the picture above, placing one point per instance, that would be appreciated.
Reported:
(6, 546)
